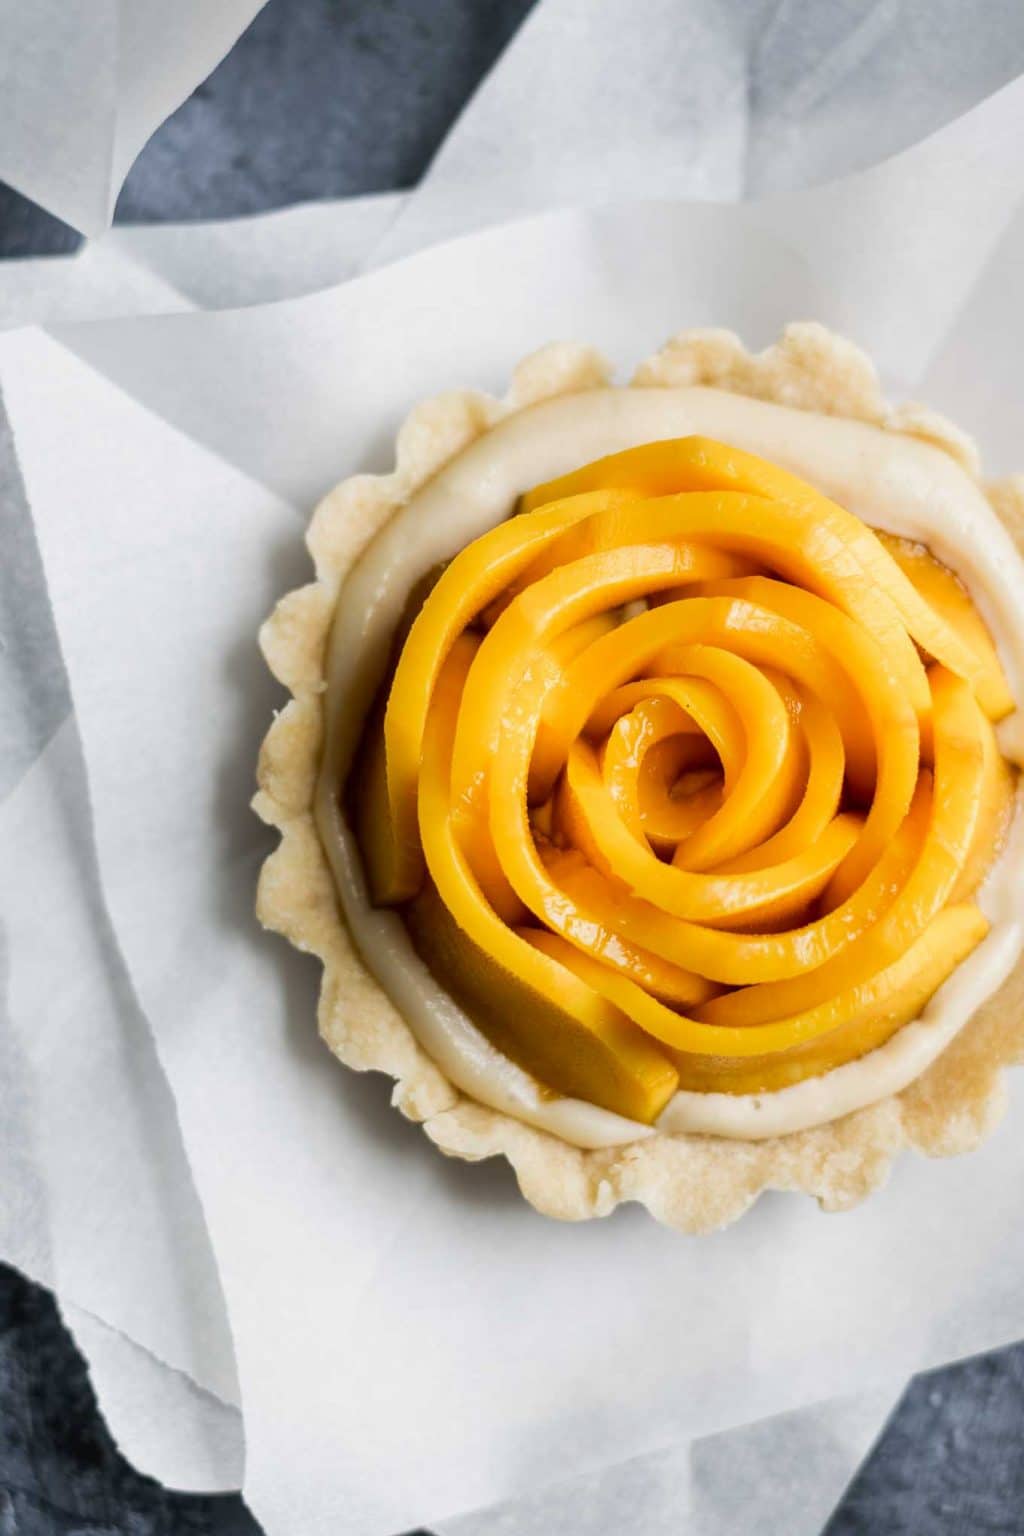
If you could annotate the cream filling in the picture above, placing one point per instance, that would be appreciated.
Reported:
(896, 483)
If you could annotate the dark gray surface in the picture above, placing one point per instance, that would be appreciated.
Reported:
(59, 1469)
(328, 98)
(320, 98)
(951, 1460)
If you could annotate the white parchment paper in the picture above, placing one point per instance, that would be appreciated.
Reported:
(99, 1202)
(152, 269)
(719, 99)
(724, 102)
(83, 84)
(781, 1474)
(745, 110)
(96, 1196)
(436, 1344)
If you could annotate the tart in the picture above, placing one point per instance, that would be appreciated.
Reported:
(648, 788)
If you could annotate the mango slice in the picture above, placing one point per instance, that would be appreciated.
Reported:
(684, 775)
(572, 1038)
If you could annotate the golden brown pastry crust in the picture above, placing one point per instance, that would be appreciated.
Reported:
(693, 1183)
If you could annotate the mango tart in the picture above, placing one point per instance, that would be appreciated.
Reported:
(649, 785)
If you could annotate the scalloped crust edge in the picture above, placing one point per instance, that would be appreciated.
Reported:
(691, 1183)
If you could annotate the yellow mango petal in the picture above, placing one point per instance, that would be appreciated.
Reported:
(463, 590)
(952, 814)
(553, 1024)
(862, 1018)
(701, 463)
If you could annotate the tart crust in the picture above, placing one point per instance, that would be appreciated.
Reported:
(692, 1183)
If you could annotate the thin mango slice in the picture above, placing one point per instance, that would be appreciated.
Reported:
(868, 1014)
(696, 463)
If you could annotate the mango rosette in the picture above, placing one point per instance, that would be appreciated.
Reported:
(701, 779)
(682, 784)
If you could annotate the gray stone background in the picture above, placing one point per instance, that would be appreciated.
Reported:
(328, 98)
